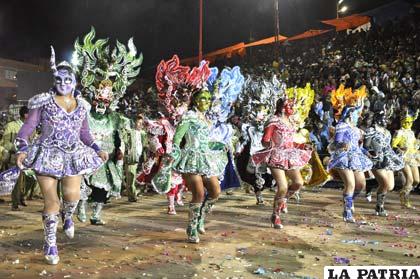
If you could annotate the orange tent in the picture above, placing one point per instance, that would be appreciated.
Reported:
(348, 22)
(227, 52)
(308, 34)
(266, 41)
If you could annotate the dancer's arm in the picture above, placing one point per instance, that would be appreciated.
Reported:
(22, 138)
(86, 136)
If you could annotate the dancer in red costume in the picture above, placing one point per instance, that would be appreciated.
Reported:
(283, 156)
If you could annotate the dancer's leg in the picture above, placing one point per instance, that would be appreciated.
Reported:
(280, 197)
(50, 218)
(71, 197)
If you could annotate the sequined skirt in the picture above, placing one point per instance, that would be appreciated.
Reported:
(388, 161)
(52, 161)
(353, 160)
(412, 158)
(210, 162)
(285, 159)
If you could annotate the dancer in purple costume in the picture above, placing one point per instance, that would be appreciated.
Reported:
(64, 152)
(348, 158)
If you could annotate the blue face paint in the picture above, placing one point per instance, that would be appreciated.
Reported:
(354, 116)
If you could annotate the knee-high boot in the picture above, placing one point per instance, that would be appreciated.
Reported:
(81, 211)
(193, 216)
(380, 201)
(50, 222)
(67, 210)
(347, 210)
(206, 208)
(96, 219)
(280, 205)
(171, 204)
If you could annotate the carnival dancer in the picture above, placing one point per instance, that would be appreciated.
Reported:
(405, 141)
(257, 104)
(385, 161)
(283, 156)
(105, 76)
(173, 94)
(200, 160)
(64, 151)
(347, 156)
(225, 90)
(313, 173)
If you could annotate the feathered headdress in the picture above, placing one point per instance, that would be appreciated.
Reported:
(410, 116)
(303, 100)
(176, 84)
(343, 99)
(95, 63)
(226, 90)
(260, 92)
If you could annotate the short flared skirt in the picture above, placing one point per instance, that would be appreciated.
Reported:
(412, 158)
(54, 162)
(388, 161)
(350, 160)
(285, 159)
(209, 162)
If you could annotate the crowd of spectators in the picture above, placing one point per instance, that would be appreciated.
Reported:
(386, 59)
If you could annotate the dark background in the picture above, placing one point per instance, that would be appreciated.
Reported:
(160, 28)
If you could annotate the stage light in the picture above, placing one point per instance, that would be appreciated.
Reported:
(74, 59)
(343, 9)
(340, 2)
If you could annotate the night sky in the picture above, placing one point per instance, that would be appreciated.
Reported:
(160, 28)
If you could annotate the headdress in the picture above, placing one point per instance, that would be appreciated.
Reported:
(303, 100)
(96, 62)
(53, 65)
(345, 100)
(176, 83)
(410, 116)
(226, 89)
(260, 92)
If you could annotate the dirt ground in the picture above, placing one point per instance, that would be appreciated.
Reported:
(141, 241)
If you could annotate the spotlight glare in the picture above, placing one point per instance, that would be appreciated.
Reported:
(343, 9)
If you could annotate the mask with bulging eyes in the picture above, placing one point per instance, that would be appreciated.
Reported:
(64, 81)
(103, 97)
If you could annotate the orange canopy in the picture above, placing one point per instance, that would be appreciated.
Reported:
(308, 34)
(227, 52)
(267, 41)
(348, 22)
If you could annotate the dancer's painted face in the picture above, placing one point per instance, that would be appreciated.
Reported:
(203, 101)
(288, 108)
(407, 123)
(354, 117)
(64, 81)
